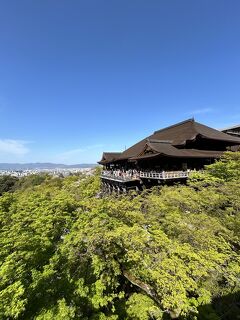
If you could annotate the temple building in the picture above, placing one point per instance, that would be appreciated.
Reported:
(168, 155)
(233, 131)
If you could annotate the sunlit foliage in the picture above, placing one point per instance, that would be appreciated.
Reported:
(171, 252)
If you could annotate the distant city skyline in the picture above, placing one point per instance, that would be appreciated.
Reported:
(81, 77)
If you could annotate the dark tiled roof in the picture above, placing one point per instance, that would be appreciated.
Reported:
(231, 128)
(189, 130)
(109, 156)
(233, 131)
(214, 134)
(176, 136)
(163, 148)
(179, 134)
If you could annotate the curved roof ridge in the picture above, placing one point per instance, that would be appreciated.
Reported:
(177, 135)
(208, 132)
(230, 128)
(175, 125)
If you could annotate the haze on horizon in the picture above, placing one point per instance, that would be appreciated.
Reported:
(81, 77)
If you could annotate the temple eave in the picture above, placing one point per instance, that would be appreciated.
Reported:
(169, 154)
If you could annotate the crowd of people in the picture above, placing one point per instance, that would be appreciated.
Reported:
(132, 174)
(122, 174)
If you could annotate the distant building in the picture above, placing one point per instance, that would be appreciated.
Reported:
(168, 154)
(233, 131)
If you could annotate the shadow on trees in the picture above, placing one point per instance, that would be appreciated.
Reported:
(224, 308)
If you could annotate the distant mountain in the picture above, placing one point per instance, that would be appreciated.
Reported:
(32, 166)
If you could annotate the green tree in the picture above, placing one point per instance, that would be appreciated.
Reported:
(170, 252)
(7, 183)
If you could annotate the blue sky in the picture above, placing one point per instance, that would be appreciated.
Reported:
(79, 77)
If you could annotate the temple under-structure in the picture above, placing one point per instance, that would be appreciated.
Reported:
(168, 155)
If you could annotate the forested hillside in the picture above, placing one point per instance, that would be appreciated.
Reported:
(66, 252)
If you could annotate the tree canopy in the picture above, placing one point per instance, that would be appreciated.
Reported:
(171, 252)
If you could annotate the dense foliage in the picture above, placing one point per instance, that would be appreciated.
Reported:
(7, 183)
(173, 252)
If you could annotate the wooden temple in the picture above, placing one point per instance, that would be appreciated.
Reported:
(168, 155)
(233, 131)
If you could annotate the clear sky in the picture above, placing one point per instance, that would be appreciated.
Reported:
(81, 77)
